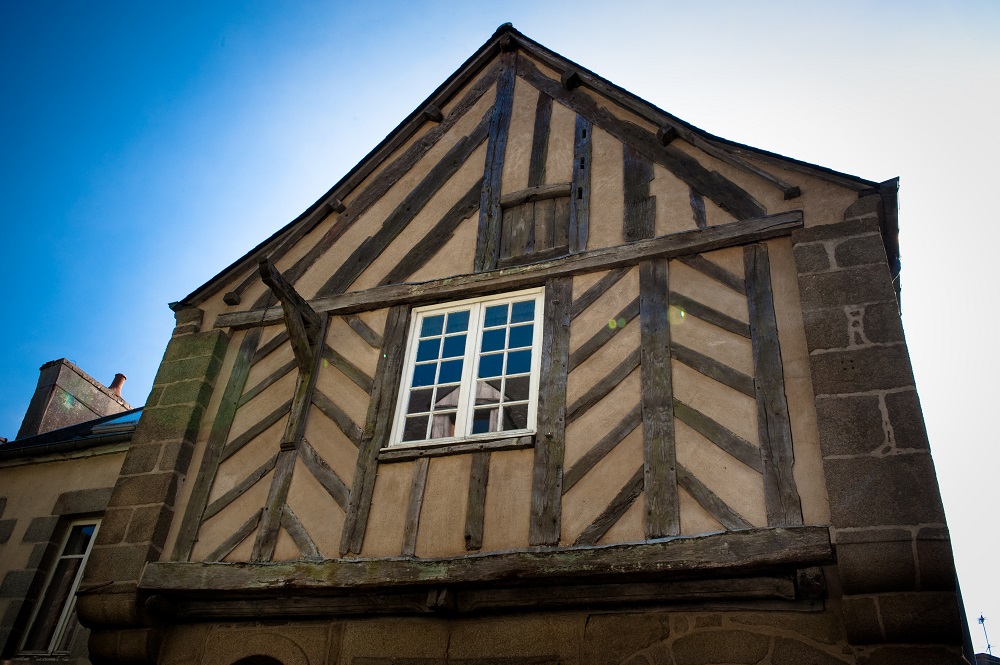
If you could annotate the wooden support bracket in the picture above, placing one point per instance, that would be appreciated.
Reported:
(303, 322)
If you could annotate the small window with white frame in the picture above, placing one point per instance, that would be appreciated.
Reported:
(53, 626)
(471, 370)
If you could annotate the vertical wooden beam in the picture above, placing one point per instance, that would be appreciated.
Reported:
(550, 441)
(413, 507)
(295, 427)
(697, 208)
(640, 207)
(660, 473)
(378, 425)
(773, 426)
(579, 210)
(476, 507)
(188, 534)
(540, 141)
(488, 243)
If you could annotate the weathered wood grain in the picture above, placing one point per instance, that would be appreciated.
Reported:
(604, 335)
(267, 381)
(710, 315)
(603, 387)
(710, 501)
(697, 208)
(468, 286)
(475, 507)
(364, 331)
(610, 515)
(732, 443)
(344, 423)
(428, 246)
(223, 422)
(607, 443)
(536, 193)
(773, 424)
(416, 501)
(239, 488)
(588, 297)
(659, 459)
(726, 194)
(713, 369)
(230, 543)
(349, 369)
(517, 232)
(403, 214)
(462, 448)
(711, 554)
(546, 485)
(378, 425)
(325, 475)
(540, 141)
(579, 209)
(293, 526)
(488, 241)
(640, 208)
(302, 322)
(715, 271)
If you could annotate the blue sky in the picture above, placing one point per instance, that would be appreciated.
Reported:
(145, 147)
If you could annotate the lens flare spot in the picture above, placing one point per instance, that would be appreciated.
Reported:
(621, 321)
(677, 315)
(612, 324)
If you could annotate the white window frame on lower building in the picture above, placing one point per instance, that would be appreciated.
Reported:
(65, 612)
(466, 405)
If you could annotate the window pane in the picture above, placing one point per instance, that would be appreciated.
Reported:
(432, 325)
(485, 420)
(447, 398)
(453, 347)
(458, 321)
(79, 537)
(415, 429)
(494, 340)
(443, 425)
(488, 392)
(451, 371)
(420, 401)
(518, 362)
(428, 349)
(52, 604)
(520, 336)
(515, 417)
(517, 388)
(491, 365)
(496, 315)
(523, 311)
(423, 375)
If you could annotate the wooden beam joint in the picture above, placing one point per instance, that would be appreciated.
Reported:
(303, 323)
(666, 135)
(433, 113)
(571, 80)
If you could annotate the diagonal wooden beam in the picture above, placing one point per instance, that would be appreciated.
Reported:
(364, 331)
(237, 490)
(710, 501)
(726, 194)
(322, 472)
(268, 381)
(715, 271)
(603, 387)
(610, 515)
(607, 443)
(604, 335)
(302, 322)
(233, 541)
(344, 423)
(588, 297)
(349, 369)
(267, 349)
(732, 443)
(515, 277)
(490, 215)
(256, 430)
(710, 315)
(713, 369)
(290, 523)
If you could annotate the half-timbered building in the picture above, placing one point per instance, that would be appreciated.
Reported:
(551, 376)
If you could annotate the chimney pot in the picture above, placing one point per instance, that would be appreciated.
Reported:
(117, 383)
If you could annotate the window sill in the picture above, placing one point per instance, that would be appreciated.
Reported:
(401, 454)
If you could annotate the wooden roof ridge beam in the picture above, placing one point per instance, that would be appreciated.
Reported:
(303, 323)
(605, 258)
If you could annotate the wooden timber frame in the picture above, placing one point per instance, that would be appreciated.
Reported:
(660, 475)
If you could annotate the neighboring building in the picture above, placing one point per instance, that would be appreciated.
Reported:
(551, 376)
(55, 482)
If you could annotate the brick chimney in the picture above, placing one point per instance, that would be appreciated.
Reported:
(66, 395)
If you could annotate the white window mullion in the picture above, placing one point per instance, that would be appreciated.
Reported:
(466, 399)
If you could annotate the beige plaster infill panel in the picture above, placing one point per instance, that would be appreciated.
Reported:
(604, 309)
(520, 136)
(332, 445)
(630, 527)
(371, 221)
(285, 548)
(689, 282)
(607, 191)
(470, 173)
(562, 137)
(673, 203)
(274, 396)
(584, 281)
(592, 494)
(320, 515)
(343, 392)
(584, 432)
(728, 348)
(269, 364)
(375, 319)
(342, 339)
(441, 529)
(245, 461)
(730, 408)
(730, 258)
(387, 517)
(507, 512)
(694, 518)
(456, 257)
(593, 370)
(215, 530)
(739, 486)
(808, 468)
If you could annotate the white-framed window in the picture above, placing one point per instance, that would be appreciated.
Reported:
(471, 370)
(53, 624)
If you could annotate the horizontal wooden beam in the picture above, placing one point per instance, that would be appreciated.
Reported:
(537, 193)
(506, 279)
(744, 551)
